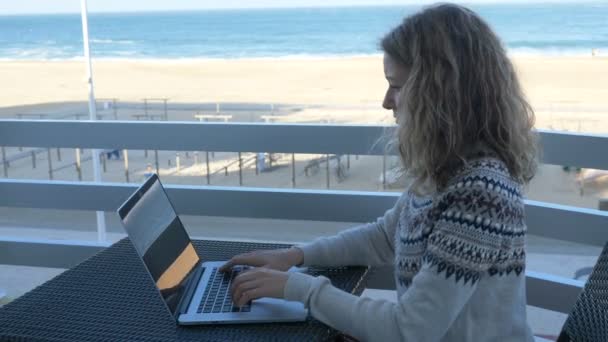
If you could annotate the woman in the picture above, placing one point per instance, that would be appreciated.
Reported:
(456, 237)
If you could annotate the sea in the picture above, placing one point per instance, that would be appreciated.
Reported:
(554, 29)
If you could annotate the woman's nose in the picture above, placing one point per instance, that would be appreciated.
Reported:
(388, 102)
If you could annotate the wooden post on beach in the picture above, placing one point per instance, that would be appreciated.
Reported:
(177, 162)
(78, 165)
(293, 170)
(58, 154)
(240, 169)
(384, 171)
(156, 160)
(126, 154)
(327, 169)
(4, 164)
(208, 172)
(33, 159)
(195, 158)
(50, 163)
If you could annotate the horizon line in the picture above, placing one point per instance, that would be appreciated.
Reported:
(210, 9)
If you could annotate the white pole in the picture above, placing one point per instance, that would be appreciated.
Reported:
(101, 221)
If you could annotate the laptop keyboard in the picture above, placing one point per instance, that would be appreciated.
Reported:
(217, 297)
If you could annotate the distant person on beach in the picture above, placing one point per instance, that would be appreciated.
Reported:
(149, 172)
(456, 236)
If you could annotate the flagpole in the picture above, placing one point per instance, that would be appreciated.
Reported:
(101, 221)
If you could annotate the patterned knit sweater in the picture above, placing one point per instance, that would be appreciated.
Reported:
(459, 264)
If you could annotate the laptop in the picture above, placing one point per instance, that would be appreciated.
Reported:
(194, 290)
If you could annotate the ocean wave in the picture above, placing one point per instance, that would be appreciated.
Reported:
(110, 41)
(37, 53)
(54, 53)
(557, 52)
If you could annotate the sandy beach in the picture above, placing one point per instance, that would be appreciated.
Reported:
(573, 84)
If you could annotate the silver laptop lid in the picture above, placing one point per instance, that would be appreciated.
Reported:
(160, 240)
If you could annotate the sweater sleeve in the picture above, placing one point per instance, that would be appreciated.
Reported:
(370, 244)
(460, 251)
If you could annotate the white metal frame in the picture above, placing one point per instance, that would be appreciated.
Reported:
(568, 223)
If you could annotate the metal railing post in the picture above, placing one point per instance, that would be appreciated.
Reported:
(78, 165)
(50, 163)
(293, 170)
(240, 170)
(208, 172)
(126, 154)
(384, 171)
(156, 161)
(103, 162)
(4, 162)
(327, 169)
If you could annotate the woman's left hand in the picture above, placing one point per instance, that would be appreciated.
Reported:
(257, 283)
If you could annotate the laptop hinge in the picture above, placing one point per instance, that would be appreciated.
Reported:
(191, 286)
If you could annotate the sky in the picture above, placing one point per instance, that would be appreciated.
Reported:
(73, 6)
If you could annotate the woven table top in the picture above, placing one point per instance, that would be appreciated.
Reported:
(110, 297)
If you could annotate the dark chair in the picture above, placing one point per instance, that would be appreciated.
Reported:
(588, 320)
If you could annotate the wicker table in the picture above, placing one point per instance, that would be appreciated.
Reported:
(110, 297)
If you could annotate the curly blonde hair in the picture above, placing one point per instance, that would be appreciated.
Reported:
(462, 91)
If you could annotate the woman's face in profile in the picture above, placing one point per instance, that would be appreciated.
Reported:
(396, 75)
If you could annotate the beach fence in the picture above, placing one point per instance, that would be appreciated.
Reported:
(149, 109)
(157, 109)
(149, 103)
(313, 167)
(574, 116)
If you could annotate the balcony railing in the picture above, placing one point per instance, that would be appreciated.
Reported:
(586, 226)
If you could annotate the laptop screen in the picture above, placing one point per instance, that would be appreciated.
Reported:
(160, 239)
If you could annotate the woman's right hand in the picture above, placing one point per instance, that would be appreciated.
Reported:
(276, 259)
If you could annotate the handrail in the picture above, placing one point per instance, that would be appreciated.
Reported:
(559, 148)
